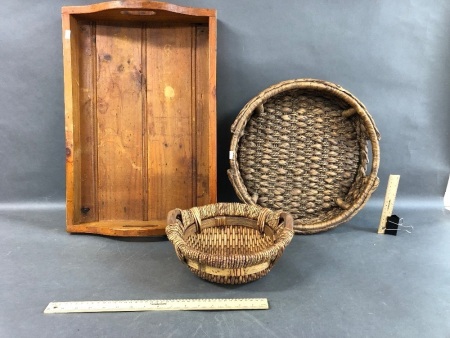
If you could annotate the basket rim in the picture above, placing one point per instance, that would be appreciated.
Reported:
(238, 127)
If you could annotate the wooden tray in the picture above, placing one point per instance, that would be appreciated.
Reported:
(140, 107)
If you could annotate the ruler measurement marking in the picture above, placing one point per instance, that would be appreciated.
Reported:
(158, 305)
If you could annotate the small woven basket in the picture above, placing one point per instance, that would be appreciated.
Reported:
(302, 146)
(229, 243)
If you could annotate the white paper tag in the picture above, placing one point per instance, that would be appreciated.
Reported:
(67, 34)
(231, 154)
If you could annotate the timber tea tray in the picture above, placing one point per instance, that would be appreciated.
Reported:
(302, 146)
(140, 107)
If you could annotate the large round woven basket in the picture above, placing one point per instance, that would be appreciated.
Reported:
(303, 146)
(229, 243)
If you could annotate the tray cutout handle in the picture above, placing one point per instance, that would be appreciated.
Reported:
(138, 12)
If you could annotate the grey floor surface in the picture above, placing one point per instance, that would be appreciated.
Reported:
(348, 282)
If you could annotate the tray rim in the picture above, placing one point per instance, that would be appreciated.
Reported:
(138, 5)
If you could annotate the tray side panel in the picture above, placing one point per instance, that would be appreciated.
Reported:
(88, 124)
(72, 117)
(169, 109)
(119, 122)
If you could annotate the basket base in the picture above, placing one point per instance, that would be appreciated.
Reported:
(224, 272)
(231, 276)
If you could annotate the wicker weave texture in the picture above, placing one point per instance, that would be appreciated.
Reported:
(302, 146)
(229, 243)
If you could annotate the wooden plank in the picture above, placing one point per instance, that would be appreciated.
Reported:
(88, 124)
(144, 125)
(119, 116)
(72, 116)
(169, 107)
(201, 121)
(68, 107)
(212, 141)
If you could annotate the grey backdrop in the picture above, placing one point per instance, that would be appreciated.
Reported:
(393, 55)
(349, 282)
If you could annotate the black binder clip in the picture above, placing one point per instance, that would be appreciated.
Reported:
(395, 223)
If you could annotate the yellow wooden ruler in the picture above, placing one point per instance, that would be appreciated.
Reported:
(159, 305)
(389, 199)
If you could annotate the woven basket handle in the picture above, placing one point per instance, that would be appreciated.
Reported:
(176, 214)
(284, 217)
(288, 220)
(173, 216)
(262, 216)
(195, 212)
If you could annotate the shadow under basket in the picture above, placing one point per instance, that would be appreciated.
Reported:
(303, 146)
(229, 243)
